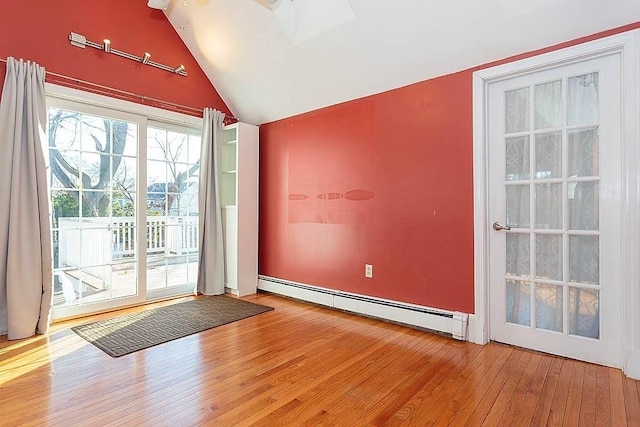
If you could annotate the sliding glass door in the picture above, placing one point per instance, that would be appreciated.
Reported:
(124, 198)
(173, 163)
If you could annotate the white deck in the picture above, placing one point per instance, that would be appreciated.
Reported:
(162, 272)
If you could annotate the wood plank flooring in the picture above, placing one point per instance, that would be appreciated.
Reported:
(303, 365)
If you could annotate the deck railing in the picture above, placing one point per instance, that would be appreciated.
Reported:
(182, 234)
(93, 243)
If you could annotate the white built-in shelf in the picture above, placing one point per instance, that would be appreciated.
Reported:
(239, 158)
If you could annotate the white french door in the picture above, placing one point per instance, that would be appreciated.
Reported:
(172, 167)
(555, 183)
(124, 194)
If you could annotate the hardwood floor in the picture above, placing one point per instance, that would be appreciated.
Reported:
(303, 365)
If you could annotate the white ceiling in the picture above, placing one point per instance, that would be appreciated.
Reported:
(250, 59)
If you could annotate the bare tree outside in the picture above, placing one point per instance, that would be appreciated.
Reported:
(102, 178)
(95, 178)
(174, 151)
(94, 165)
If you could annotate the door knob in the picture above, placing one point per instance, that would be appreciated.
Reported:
(499, 227)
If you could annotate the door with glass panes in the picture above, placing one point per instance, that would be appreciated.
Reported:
(124, 196)
(554, 210)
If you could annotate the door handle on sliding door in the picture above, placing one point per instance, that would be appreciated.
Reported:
(499, 227)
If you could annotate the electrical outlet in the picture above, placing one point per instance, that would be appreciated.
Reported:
(368, 271)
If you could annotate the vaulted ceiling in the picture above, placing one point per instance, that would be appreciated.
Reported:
(264, 74)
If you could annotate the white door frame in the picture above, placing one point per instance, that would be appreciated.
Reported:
(144, 116)
(627, 45)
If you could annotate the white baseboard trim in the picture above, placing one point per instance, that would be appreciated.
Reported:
(632, 364)
(472, 329)
(231, 291)
(476, 331)
(443, 321)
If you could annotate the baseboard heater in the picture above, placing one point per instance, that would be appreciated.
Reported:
(447, 322)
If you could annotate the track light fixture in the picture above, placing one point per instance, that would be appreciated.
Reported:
(78, 40)
(158, 4)
(273, 4)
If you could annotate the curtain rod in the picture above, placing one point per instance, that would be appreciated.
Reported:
(128, 94)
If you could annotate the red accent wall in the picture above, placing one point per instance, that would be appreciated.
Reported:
(38, 30)
(385, 180)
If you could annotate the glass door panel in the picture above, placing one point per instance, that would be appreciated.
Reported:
(93, 187)
(117, 242)
(548, 175)
(172, 211)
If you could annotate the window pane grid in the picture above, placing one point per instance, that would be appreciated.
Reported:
(94, 192)
(172, 197)
(560, 280)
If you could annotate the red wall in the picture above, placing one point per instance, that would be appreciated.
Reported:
(38, 30)
(409, 153)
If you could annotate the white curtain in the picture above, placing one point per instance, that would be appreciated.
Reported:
(211, 250)
(25, 220)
